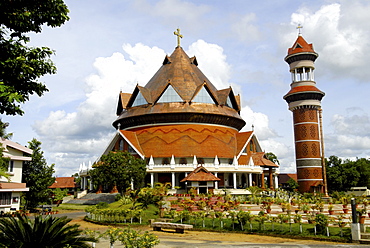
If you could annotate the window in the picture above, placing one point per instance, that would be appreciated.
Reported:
(165, 161)
(11, 166)
(203, 97)
(251, 146)
(228, 102)
(202, 183)
(139, 100)
(131, 150)
(170, 95)
(200, 161)
(183, 161)
(5, 198)
(120, 145)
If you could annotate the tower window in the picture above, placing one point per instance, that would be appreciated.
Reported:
(165, 161)
(228, 102)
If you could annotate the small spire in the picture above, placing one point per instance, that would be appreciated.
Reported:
(252, 127)
(299, 27)
(177, 33)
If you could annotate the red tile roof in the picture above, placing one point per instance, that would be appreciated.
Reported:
(300, 46)
(258, 159)
(304, 88)
(200, 174)
(63, 182)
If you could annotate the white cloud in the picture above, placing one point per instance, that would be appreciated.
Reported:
(245, 29)
(340, 36)
(212, 62)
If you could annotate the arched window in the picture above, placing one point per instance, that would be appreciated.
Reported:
(165, 161)
(183, 161)
(200, 160)
(120, 146)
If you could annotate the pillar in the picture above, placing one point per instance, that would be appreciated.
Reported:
(234, 179)
(173, 180)
(262, 180)
(271, 181)
(250, 179)
(152, 179)
(216, 182)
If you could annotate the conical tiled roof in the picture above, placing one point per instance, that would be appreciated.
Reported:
(301, 47)
(178, 92)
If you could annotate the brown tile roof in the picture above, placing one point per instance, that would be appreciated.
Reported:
(131, 136)
(200, 174)
(63, 182)
(242, 139)
(258, 159)
(300, 46)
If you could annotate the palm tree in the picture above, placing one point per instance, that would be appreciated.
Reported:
(48, 232)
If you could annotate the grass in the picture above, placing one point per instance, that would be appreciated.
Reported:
(67, 206)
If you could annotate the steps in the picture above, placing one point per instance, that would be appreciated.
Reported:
(93, 198)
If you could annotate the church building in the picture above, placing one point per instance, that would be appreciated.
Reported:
(188, 132)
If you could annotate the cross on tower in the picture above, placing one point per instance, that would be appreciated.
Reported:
(299, 29)
(177, 33)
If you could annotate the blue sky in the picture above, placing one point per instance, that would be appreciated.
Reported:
(109, 46)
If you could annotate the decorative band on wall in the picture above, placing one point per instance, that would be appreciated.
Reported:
(306, 132)
(307, 149)
(309, 180)
(305, 114)
(309, 173)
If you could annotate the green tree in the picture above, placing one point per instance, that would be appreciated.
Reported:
(272, 157)
(22, 66)
(22, 232)
(292, 184)
(119, 169)
(4, 162)
(38, 176)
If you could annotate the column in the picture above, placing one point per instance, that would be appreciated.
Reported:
(186, 183)
(152, 179)
(276, 181)
(173, 180)
(234, 179)
(262, 180)
(271, 182)
(250, 179)
(216, 182)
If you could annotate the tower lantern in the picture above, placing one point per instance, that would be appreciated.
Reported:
(304, 100)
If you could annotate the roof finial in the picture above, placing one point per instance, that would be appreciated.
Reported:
(177, 33)
(299, 29)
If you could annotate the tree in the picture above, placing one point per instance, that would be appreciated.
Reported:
(38, 176)
(22, 66)
(119, 169)
(21, 231)
(342, 175)
(292, 184)
(272, 157)
(4, 162)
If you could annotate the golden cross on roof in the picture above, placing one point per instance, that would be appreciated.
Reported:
(299, 29)
(177, 33)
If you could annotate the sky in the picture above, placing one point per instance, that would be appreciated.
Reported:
(108, 46)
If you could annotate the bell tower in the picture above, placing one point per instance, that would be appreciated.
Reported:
(304, 100)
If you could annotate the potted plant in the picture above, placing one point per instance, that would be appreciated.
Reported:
(362, 214)
(331, 209)
(305, 208)
(344, 200)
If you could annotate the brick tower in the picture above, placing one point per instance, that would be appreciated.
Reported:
(304, 100)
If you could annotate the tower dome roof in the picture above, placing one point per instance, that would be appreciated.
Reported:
(178, 92)
(301, 47)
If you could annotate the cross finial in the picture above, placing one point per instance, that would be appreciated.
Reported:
(177, 33)
(299, 27)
